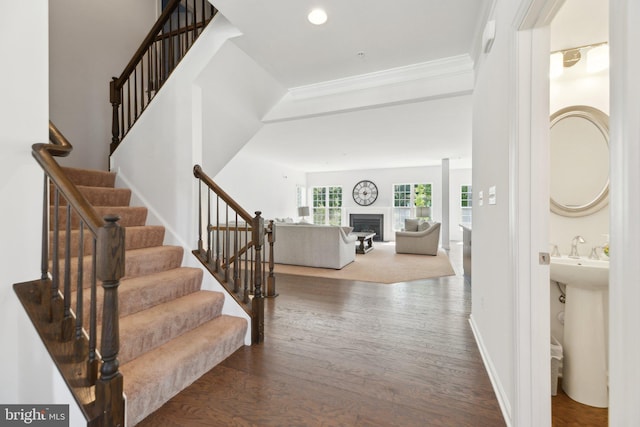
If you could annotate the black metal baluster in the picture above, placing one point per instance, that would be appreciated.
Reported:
(217, 239)
(210, 232)
(79, 293)
(149, 74)
(44, 262)
(135, 93)
(194, 22)
(121, 130)
(227, 248)
(128, 104)
(236, 277)
(247, 275)
(92, 361)
(67, 319)
(54, 298)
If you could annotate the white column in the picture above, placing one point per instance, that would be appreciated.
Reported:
(444, 229)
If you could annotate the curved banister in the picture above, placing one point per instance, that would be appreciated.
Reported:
(108, 260)
(44, 153)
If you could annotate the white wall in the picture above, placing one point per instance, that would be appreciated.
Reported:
(29, 375)
(236, 93)
(89, 43)
(260, 186)
(493, 310)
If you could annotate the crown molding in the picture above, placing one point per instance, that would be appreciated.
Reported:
(451, 66)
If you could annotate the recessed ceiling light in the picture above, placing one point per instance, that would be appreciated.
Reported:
(317, 17)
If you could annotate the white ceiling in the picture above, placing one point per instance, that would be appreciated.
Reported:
(405, 135)
(390, 33)
(410, 132)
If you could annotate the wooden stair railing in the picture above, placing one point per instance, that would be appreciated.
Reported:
(93, 378)
(175, 31)
(233, 250)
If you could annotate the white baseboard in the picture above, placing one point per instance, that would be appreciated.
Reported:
(503, 401)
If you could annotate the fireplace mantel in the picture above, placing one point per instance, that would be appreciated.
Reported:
(387, 231)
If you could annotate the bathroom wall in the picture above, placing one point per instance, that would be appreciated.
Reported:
(577, 87)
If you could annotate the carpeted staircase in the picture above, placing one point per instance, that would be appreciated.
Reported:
(171, 331)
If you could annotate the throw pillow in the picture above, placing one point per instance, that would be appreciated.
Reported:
(411, 224)
(424, 225)
(347, 230)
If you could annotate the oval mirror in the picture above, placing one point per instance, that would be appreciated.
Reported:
(579, 154)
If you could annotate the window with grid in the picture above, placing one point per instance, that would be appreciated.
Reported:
(466, 198)
(406, 197)
(327, 205)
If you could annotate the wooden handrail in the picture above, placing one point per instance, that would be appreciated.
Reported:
(157, 56)
(236, 248)
(198, 173)
(148, 41)
(44, 153)
(107, 408)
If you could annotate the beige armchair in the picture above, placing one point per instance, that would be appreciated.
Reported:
(423, 242)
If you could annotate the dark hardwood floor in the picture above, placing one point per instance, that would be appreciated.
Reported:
(569, 413)
(344, 353)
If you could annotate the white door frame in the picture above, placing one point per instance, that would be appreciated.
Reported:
(532, 402)
(529, 212)
(624, 143)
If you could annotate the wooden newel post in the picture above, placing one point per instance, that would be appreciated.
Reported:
(114, 98)
(110, 268)
(271, 279)
(257, 303)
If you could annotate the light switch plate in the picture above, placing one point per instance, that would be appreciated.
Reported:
(480, 198)
(492, 195)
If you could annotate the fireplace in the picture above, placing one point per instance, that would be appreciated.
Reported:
(368, 222)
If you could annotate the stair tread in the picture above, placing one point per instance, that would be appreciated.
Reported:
(100, 196)
(165, 257)
(155, 377)
(136, 237)
(158, 288)
(148, 329)
(129, 215)
(138, 262)
(90, 177)
(140, 293)
(171, 331)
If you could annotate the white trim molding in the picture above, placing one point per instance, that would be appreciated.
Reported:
(529, 211)
(624, 291)
(503, 398)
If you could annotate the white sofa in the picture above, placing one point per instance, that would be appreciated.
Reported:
(325, 246)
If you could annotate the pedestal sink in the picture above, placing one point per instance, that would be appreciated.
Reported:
(585, 367)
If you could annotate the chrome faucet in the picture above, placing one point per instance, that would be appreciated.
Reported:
(574, 246)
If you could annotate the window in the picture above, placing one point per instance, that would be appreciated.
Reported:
(327, 205)
(405, 198)
(301, 199)
(466, 197)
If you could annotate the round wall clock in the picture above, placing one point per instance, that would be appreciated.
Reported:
(365, 193)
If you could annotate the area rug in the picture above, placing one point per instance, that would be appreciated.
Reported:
(381, 265)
